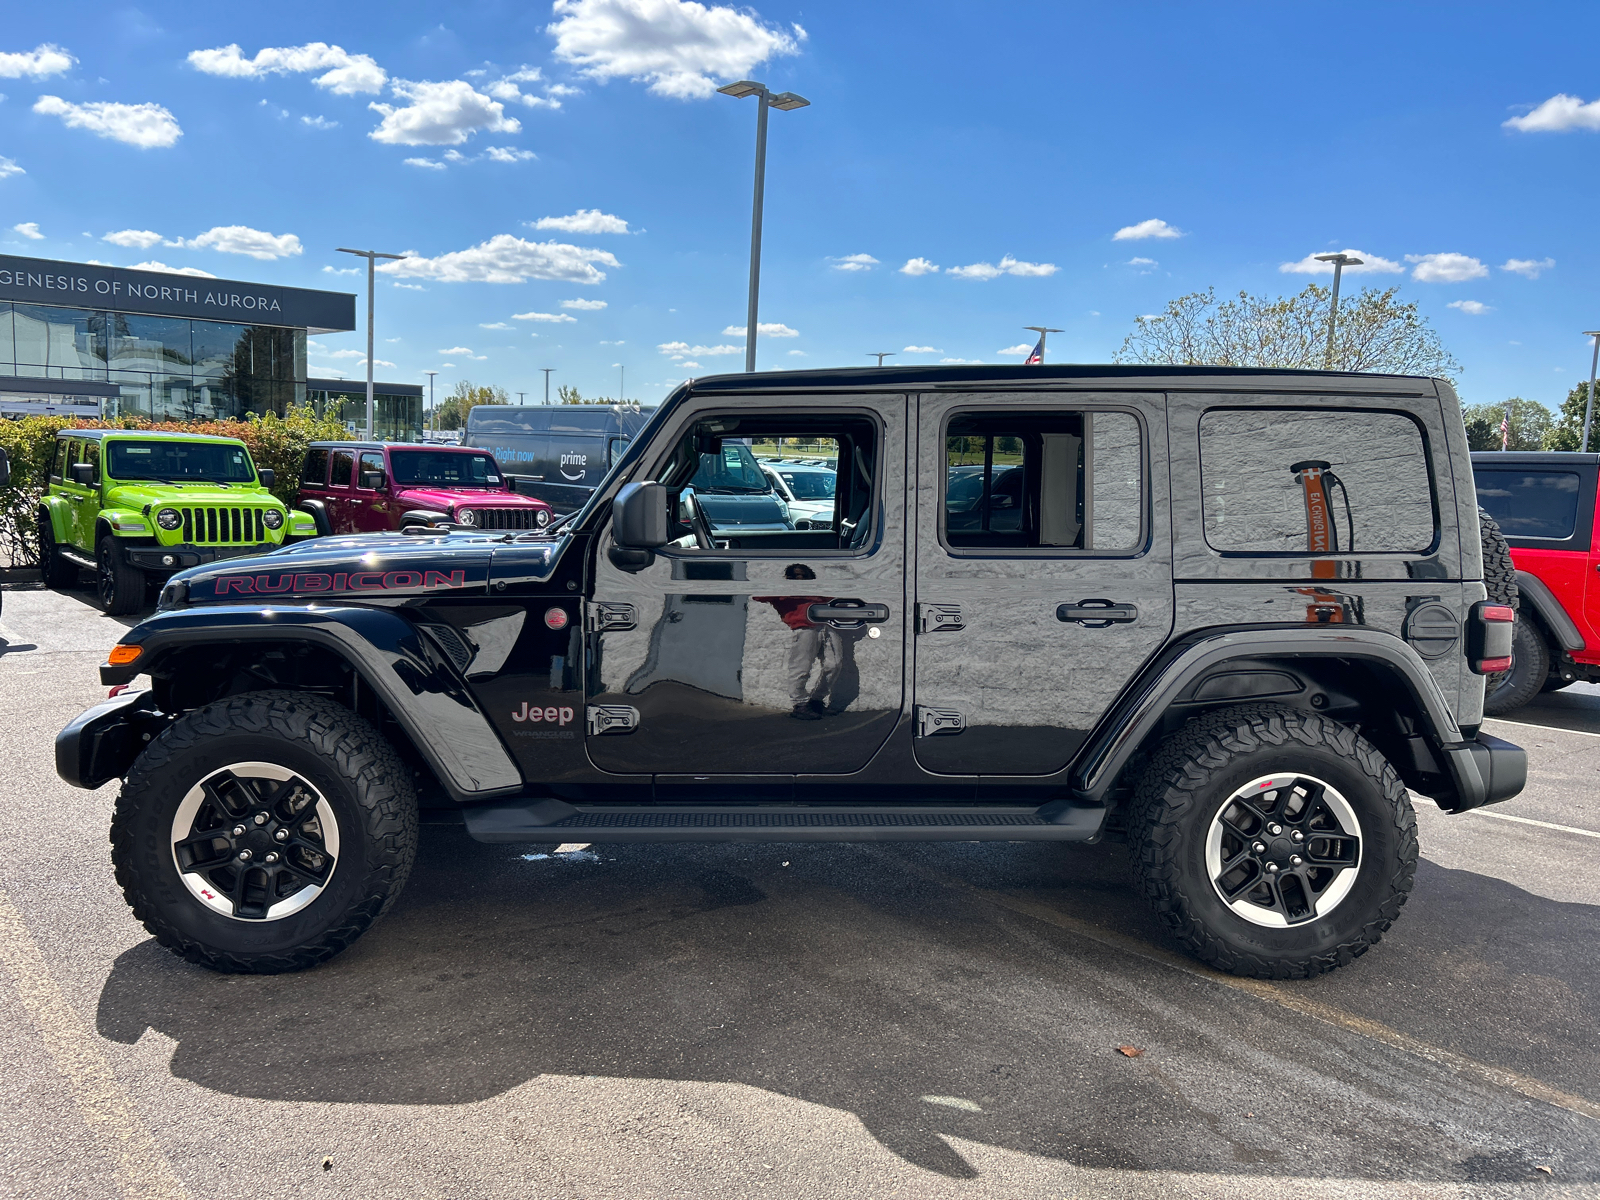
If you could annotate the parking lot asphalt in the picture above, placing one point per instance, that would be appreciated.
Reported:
(934, 1020)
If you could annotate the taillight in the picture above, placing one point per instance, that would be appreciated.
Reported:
(1489, 637)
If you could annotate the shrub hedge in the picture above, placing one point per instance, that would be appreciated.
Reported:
(275, 442)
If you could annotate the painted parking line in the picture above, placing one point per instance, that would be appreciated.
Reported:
(1524, 1085)
(142, 1168)
(1540, 728)
(1499, 816)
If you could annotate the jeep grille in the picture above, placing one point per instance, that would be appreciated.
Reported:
(221, 526)
(506, 518)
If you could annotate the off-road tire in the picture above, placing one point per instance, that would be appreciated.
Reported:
(342, 755)
(58, 572)
(1198, 769)
(1529, 674)
(119, 586)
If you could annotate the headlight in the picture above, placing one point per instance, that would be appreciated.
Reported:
(543, 518)
(467, 517)
(169, 518)
(272, 519)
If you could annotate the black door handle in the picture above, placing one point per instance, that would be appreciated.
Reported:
(847, 612)
(1097, 614)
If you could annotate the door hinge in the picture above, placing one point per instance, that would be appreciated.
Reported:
(932, 721)
(934, 617)
(604, 617)
(612, 718)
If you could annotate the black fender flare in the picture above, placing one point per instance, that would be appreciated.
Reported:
(405, 669)
(1465, 781)
(424, 516)
(1561, 626)
(319, 514)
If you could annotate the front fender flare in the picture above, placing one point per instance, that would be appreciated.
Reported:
(389, 654)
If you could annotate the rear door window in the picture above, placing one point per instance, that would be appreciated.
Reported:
(1531, 504)
(314, 474)
(1293, 480)
(344, 462)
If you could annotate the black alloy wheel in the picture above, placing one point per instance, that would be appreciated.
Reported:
(119, 586)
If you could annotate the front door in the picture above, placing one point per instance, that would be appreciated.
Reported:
(369, 507)
(739, 661)
(1043, 572)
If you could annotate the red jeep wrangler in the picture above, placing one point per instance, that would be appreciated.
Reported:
(372, 487)
(1544, 503)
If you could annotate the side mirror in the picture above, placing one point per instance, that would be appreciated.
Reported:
(373, 481)
(639, 517)
(5, 470)
(82, 474)
(267, 476)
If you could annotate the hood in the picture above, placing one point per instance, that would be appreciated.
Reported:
(373, 566)
(177, 495)
(759, 508)
(431, 496)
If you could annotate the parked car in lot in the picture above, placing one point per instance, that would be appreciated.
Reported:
(367, 487)
(1235, 618)
(806, 489)
(555, 452)
(135, 506)
(1544, 503)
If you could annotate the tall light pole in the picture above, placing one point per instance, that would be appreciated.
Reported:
(547, 371)
(784, 102)
(1588, 407)
(521, 397)
(1340, 262)
(622, 384)
(1042, 331)
(372, 257)
(880, 355)
(431, 409)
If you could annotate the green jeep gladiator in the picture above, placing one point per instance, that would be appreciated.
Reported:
(135, 506)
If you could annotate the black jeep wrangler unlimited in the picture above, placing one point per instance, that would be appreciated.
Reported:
(1230, 616)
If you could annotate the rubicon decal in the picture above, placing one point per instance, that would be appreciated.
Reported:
(555, 716)
(339, 581)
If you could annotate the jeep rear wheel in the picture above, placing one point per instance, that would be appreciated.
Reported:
(1273, 843)
(264, 833)
(58, 572)
(119, 585)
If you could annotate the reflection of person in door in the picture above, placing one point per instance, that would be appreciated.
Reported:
(837, 683)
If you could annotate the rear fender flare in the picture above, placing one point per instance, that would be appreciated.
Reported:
(388, 653)
(318, 512)
(1537, 593)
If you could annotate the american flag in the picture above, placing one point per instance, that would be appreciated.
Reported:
(1505, 429)
(1037, 356)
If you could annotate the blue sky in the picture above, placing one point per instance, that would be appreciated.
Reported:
(1458, 143)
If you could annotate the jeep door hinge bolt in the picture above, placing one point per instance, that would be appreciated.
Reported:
(282, 835)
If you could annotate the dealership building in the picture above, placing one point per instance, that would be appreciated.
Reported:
(174, 347)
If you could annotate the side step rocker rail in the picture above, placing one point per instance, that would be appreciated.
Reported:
(557, 821)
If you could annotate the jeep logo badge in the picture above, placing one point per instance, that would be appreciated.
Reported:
(557, 716)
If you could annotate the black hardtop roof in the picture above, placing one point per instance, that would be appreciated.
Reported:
(1010, 377)
(514, 419)
(165, 435)
(1533, 458)
(450, 446)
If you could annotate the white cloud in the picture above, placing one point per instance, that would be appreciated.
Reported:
(29, 230)
(456, 350)
(1470, 307)
(1528, 268)
(1559, 114)
(241, 239)
(377, 362)
(43, 60)
(341, 270)
(345, 74)
(505, 258)
(561, 89)
(547, 318)
(797, 354)
(854, 262)
(507, 154)
(584, 305)
(960, 360)
(679, 47)
(8, 167)
(144, 125)
(695, 365)
(685, 348)
(507, 90)
(763, 329)
(919, 266)
(617, 343)
(410, 287)
(1006, 266)
(319, 123)
(1370, 264)
(585, 220)
(1019, 348)
(494, 325)
(153, 265)
(439, 114)
(1446, 268)
(920, 350)
(1145, 229)
(1143, 262)
(424, 162)
(323, 352)
(142, 238)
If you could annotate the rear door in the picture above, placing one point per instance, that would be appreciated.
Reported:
(1043, 573)
(341, 465)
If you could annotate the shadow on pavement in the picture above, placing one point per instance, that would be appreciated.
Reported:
(1575, 707)
(832, 975)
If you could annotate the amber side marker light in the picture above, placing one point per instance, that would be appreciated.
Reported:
(121, 656)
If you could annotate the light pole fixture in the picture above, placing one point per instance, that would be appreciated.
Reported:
(1042, 331)
(547, 371)
(1588, 408)
(433, 411)
(784, 102)
(522, 397)
(622, 384)
(1340, 262)
(880, 355)
(372, 257)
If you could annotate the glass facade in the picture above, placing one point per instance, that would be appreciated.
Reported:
(396, 415)
(168, 368)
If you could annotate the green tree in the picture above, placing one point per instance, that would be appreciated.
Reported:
(571, 395)
(1530, 424)
(1375, 333)
(463, 398)
(1567, 430)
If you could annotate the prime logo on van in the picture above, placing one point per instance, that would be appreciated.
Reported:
(581, 461)
(311, 583)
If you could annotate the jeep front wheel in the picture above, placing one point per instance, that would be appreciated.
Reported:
(119, 585)
(264, 833)
(1274, 843)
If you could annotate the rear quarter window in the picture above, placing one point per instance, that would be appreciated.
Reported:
(314, 473)
(1531, 504)
(1259, 469)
